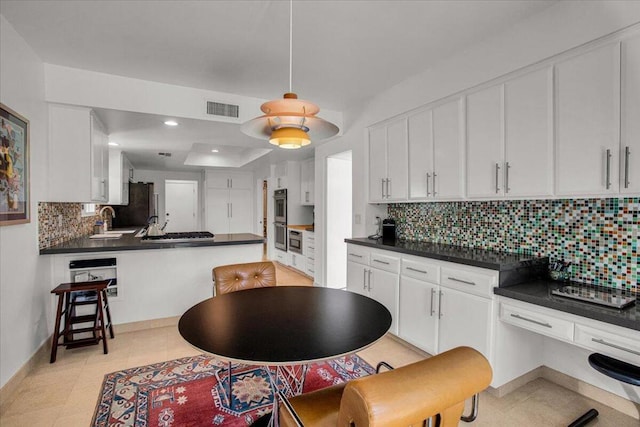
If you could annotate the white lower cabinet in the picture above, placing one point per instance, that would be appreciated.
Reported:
(418, 313)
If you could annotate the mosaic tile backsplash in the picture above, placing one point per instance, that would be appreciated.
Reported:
(599, 236)
(61, 222)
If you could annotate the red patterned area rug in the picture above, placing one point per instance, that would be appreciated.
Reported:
(193, 391)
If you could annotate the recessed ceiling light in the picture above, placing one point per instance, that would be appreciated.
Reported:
(113, 144)
(214, 151)
(171, 123)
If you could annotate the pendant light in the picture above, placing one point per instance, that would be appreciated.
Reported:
(289, 122)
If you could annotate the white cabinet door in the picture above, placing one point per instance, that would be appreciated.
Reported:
(588, 101)
(307, 182)
(240, 211)
(383, 287)
(418, 313)
(528, 169)
(465, 320)
(357, 278)
(397, 160)
(630, 138)
(420, 154)
(484, 143)
(217, 210)
(448, 173)
(377, 163)
(280, 173)
(99, 161)
(241, 180)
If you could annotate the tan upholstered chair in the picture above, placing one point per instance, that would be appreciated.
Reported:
(237, 277)
(406, 396)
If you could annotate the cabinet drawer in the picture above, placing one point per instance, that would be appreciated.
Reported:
(384, 262)
(358, 254)
(424, 271)
(467, 280)
(614, 345)
(540, 323)
(281, 257)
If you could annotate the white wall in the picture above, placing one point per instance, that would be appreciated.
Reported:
(158, 178)
(339, 190)
(25, 316)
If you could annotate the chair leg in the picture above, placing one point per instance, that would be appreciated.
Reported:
(475, 400)
(56, 331)
(106, 309)
(585, 418)
(383, 364)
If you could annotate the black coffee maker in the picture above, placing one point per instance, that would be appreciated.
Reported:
(389, 231)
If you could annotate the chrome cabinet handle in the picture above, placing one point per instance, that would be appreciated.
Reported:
(231, 210)
(431, 311)
(497, 173)
(383, 194)
(364, 279)
(355, 255)
(370, 272)
(428, 176)
(506, 177)
(608, 183)
(434, 184)
(603, 342)
(230, 182)
(627, 153)
(104, 188)
(388, 187)
(517, 316)
(440, 304)
(466, 282)
(381, 262)
(228, 216)
(311, 247)
(416, 270)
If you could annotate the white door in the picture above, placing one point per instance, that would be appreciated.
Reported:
(464, 321)
(357, 278)
(383, 287)
(630, 148)
(397, 160)
(588, 100)
(181, 205)
(528, 169)
(418, 314)
(240, 211)
(484, 143)
(420, 155)
(377, 163)
(217, 210)
(447, 182)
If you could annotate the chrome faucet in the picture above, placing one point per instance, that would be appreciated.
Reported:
(101, 212)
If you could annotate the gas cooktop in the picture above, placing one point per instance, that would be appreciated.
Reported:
(190, 236)
(596, 295)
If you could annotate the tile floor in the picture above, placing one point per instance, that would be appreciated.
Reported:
(65, 393)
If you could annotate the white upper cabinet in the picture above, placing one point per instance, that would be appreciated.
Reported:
(436, 153)
(307, 182)
(120, 174)
(388, 180)
(485, 143)
(630, 138)
(528, 118)
(217, 179)
(229, 202)
(448, 152)
(588, 101)
(78, 156)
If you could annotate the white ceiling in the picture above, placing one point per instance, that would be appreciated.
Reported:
(344, 52)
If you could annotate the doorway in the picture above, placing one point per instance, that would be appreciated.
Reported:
(338, 218)
(181, 205)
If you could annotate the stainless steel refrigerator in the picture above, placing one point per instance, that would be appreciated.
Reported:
(141, 206)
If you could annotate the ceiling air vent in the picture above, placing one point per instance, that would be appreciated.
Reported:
(220, 109)
(164, 154)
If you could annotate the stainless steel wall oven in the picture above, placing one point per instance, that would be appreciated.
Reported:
(280, 219)
(295, 241)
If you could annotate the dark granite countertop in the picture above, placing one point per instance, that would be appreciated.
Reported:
(539, 293)
(128, 242)
(492, 260)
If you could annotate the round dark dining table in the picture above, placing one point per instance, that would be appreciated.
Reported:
(284, 325)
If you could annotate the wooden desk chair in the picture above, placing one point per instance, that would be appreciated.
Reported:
(238, 277)
(433, 389)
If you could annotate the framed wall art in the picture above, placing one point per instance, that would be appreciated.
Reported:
(14, 168)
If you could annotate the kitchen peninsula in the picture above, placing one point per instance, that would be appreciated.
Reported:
(155, 280)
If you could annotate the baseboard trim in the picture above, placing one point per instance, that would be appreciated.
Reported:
(515, 384)
(42, 354)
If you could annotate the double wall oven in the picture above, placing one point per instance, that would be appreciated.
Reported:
(280, 219)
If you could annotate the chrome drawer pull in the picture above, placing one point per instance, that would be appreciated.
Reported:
(416, 270)
(603, 342)
(517, 316)
(608, 180)
(433, 291)
(357, 256)
(381, 262)
(462, 281)
(626, 166)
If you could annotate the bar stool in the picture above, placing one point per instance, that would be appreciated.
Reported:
(72, 295)
(614, 368)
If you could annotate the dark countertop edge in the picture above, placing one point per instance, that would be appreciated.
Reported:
(147, 246)
(458, 260)
(568, 307)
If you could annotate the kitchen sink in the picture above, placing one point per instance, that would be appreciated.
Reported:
(107, 235)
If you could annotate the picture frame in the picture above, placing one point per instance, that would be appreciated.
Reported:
(15, 186)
